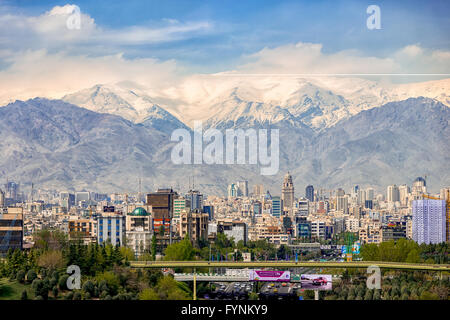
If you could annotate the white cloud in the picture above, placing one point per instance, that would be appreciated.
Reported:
(309, 58)
(50, 31)
(39, 73)
(41, 56)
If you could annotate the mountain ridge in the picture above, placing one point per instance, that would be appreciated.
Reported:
(59, 145)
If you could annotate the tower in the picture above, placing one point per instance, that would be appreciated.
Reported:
(287, 192)
(309, 193)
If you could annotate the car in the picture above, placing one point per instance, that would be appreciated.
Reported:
(319, 281)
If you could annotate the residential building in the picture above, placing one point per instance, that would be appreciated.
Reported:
(139, 230)
(429, 221)
(194, 224)
(11, 230)
(111, 228)
(276, 206)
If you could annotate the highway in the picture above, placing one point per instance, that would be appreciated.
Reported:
(290, 264)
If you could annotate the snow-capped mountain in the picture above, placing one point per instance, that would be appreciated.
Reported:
(130, 103)
(226, 101)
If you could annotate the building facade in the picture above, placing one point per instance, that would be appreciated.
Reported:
(429, 225)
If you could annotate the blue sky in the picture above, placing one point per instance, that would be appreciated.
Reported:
(244, 27)
(160, 43)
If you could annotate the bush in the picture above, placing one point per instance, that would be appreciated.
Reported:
(88, 287)
(426, 295)
(62, 283)
(24, 295)
(20, 276)
(31, 276)
(69, 296)
(36, 283)
(253, 296)
(76, 296)
(55, 292)
(53, 282)
(103, 295)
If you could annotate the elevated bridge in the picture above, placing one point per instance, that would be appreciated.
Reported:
(291, 264)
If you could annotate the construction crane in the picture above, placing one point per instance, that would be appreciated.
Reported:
(447, 211)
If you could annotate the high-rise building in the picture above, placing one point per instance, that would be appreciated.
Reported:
(303, 227)
(392, 194)
(12, 190)
(303, 207)
(66, 200)
(82, 197)
(258, 190)
(242, 187)
(257, 208)
(287, 192)
(341, 192)
(162, 209)
(11, 230)
(368, 204)
(429, 223)
(162, 203)
(210, 211)
(309, 193)
(404, 192)
(444, 194)
(276, 206)
(342, 204)
(370, 194)
(361, 196)
(419, 187)
(195, 199)
(180, 204)
(232, 191)
(2, 199)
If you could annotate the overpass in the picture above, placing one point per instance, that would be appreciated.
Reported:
(291, 264)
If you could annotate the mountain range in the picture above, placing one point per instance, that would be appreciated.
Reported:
(332, 133)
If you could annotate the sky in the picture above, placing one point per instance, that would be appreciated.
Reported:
(158, 43)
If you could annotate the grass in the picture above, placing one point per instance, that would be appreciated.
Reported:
(12, 290)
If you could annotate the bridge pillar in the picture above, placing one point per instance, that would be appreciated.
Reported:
(195, 284)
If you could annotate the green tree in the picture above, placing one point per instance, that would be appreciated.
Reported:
(426, 295)
(180, 251)
(413, 256)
